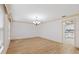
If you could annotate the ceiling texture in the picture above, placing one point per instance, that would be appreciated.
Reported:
(44, 12)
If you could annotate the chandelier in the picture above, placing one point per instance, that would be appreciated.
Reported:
(36, 22)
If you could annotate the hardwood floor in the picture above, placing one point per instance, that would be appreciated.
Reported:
(39, 45)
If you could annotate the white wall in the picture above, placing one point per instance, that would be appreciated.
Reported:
(1, 28)
(1, 36)
(22, 30)
(1, 40)
(77, 32)
(51, 30)
(1, 24)
(6, 34)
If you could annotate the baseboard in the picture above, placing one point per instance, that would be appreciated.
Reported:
(50, 39)
(18, 38)
(6, 47)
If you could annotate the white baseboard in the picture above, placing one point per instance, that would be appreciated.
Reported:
(15, 38)
(50, 39)
(6, 47)
(35, 36)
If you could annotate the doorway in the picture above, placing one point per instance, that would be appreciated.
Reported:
(69, 31)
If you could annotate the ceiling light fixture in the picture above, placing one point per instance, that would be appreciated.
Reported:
(36, 22)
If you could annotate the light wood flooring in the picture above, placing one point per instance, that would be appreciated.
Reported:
(39, 45)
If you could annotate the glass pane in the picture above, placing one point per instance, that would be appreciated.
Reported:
(68, 30)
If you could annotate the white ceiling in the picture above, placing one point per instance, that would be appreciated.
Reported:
(45, 12)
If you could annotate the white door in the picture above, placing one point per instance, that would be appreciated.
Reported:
(69, 32)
